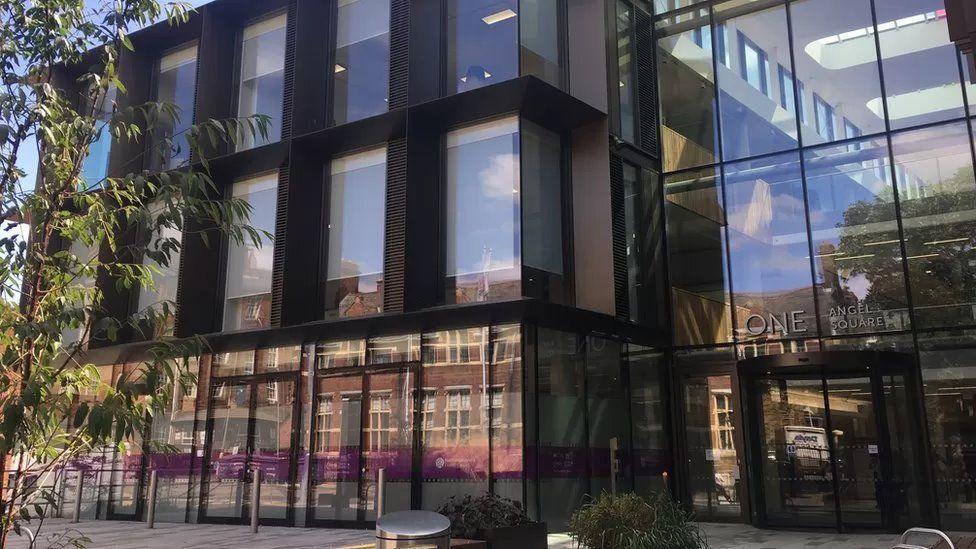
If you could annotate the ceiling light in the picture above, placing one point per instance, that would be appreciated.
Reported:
(883, 242)
(949, 241)
(339, 68)
(854, 257)
(498, 17)
(835, 254)
(924, 256)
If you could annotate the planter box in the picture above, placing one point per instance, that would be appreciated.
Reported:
(527, 536)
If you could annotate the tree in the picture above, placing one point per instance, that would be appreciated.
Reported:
(54, 405)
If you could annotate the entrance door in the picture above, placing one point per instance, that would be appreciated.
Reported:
(833, 445)
(363, 422)
(252, 425)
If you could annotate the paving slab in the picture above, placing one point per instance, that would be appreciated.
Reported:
(135, 535)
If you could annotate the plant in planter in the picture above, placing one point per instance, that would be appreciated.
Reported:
(499, 521)
(629, 521)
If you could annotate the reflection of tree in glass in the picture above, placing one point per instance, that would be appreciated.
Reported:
(940, 236)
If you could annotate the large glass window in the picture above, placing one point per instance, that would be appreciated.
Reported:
(455, 459)
(482, 43)
(263, 77)
(483, 236)
(247, 294)
(857, 250)
(176, 85)
(768, 249)
(165, 274)
(541, 206)
(934, 171)
(836, 54)
(688, 117)
(920, 64)
(700, 300)
(357, 197)
(753, 120)
(362, 60)
(948, 363)
(648, 408)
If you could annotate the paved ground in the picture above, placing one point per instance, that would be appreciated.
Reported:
(134, 535)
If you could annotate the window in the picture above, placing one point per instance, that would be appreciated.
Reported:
(175, 84)
(362, 60)
(247, 295)
(483, 246)
(357, 199)
(850, 132)
(539, 22)
(625, 70)
(824, 114)
(379, 422)
(457, 416)
(262, 77)
(323, 422)
(755, 64)
(339, 354)
(722, 45)
(428, 420)
(102, 105)
(272, 392)
(786, 98)
(724, 429)
(482, 43)
(166, 273)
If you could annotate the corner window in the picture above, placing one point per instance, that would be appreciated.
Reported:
(247, 295)
(503, 235)
(625, 68)
(357, 198)
(176, 85)
(263, 77)
(362, 60)
(482, 43)
(483, 247)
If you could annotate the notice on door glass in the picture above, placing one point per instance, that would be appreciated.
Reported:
(873, 449)
(709, 454)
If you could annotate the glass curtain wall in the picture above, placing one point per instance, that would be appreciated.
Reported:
(796, 168)
(175, 84)
(357, 204)
(101, 106)
(262, 77)
(362, 60)
(247, 293)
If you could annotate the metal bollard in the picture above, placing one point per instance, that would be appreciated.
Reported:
(255, 499)
(151, 507)
(380, 491)
(79, 484)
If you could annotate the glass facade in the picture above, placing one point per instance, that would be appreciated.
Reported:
(320, 419)
(176, 85)
(262, 85)
(357, 192)
(807, 238)
(361, 75)
(247, 291)
(95, 166)
(162, 257)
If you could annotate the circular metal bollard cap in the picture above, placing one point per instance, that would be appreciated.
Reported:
(407, 525)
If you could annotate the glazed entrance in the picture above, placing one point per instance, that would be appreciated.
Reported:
(833, 445)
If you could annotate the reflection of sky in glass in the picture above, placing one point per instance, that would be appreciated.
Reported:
(362, 63)
(482, 199)
(262, 75)
(482, 38)
(356, 220)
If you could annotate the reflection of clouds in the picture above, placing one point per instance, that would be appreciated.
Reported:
(499, 179)
(858, 285)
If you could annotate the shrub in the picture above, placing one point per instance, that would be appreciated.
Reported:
(629, 521)
(470, 517)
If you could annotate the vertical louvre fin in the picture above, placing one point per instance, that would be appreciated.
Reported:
(619, 234)
(281, 228)
(646, 82)
(396, 226)
(289, 84)
(399, 52)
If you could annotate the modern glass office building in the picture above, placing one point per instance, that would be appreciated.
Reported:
(735, 236)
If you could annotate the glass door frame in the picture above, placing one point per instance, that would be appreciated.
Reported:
(412, 368)
(827, 365)
(252, 381)
(680, 441)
